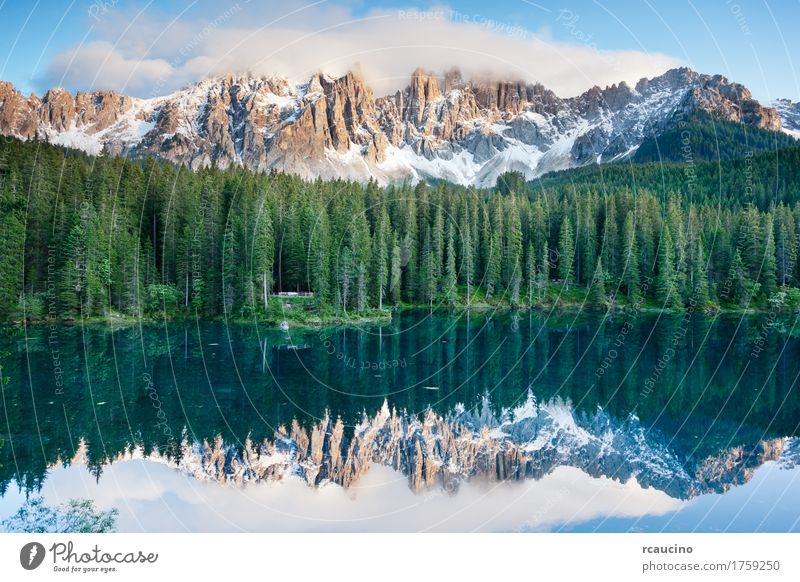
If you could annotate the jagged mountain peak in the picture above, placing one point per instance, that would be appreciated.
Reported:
(440, 125)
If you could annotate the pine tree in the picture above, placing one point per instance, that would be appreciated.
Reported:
(611, 247)
(427, 291)
(666, 284)
(515, 285)
(395, 278)
(751, 238)
(679, 248)
(73, 274)
(739, 281)
(544, 271)
(437, 243)
(451, 273)
(566, 253)
(630, 249)
(408, 248)
(344, 277)
(769, 268)
(597, 289)
(361, 288)
(229, 269)
(786, 253)
(587, 240)
(380, 258)
(467, 251)
(513, 244)
(263, 252)
(97, 265)
(12, 240)
(700, 275)
(320, 261)
(494, 250)
(530, 273)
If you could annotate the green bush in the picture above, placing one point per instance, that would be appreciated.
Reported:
(32, 305)
(792, 299)
(161, 298)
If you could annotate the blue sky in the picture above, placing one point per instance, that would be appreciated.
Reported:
(148, 48)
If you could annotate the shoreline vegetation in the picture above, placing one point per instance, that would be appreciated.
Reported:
(302, 313)
(91, 238)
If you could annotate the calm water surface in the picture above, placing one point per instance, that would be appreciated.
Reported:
(707, 390)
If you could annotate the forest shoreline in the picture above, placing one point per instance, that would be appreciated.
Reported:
(95, 237)
(118, 320)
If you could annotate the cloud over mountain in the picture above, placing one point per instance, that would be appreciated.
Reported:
(145, 53)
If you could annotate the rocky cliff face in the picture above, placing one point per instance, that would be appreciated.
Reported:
(67, 119)
(445, 127)
(445, 451)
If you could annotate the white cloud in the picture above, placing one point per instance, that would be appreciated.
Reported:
(148, 54)
(99, 66)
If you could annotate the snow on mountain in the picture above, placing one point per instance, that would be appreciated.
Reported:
(438, 127)
(790, 116)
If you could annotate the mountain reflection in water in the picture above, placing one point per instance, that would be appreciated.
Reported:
(683, 405)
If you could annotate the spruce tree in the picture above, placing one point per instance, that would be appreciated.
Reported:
(543, 278)
(72, 277)
(530, 273)
(380, 258)
(597, 289)
(427, 290)
(263, 252)
(319, 261)
(513, 244)
(515, 284)
(587, 240)
(12, 240)
(361, 288)
(786, 252)
(769, 268)
(493, 264)
(700, 275)
(751, 241)
(467, 251)
(679, 249)
(395, 277)
(666, 283)
(344, 277)
(229, 269)
(437, 244)
(566, 253)
(630, 266)
(611, 247)
(738, 281)
(451, 272)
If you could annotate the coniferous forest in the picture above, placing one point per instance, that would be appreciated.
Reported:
(87, 236)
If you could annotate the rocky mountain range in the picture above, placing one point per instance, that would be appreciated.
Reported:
(438, 127)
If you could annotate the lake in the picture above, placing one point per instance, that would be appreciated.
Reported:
(436, 421)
